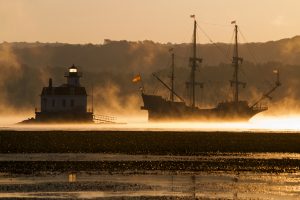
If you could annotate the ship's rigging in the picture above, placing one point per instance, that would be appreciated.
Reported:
(236, 60)
(159, 108)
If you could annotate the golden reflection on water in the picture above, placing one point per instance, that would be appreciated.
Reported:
(259, 123)
(220, 185)
(72, 177)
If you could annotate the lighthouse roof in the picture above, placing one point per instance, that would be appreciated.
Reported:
(64, 90)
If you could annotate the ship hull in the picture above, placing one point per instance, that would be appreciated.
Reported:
(160, 109)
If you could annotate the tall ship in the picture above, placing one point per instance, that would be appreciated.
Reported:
(235, 109)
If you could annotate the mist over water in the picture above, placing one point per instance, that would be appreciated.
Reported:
(259, 123)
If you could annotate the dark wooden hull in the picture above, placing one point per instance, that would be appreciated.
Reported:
(160, 109)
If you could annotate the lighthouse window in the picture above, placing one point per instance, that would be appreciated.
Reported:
(64, 103)
(72, 102)
(44, 100)
(73, 70)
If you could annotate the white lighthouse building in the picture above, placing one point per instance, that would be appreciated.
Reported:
(65, 103)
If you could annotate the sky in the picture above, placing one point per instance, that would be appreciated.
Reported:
(92, 21)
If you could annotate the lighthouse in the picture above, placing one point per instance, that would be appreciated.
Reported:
(65, 103)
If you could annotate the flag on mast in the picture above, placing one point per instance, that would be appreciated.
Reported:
(137, 78)
(233, 22)
(192, 16)
(275, 71)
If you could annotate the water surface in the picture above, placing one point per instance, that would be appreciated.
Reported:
(246, 185)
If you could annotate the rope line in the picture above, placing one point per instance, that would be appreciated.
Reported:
(212, 42)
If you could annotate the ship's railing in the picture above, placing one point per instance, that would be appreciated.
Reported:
(260, 107)
(104, 119)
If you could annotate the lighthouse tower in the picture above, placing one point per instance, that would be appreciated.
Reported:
(73, 77)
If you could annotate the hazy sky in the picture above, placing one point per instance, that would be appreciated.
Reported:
(91, 21)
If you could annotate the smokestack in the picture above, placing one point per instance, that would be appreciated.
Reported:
(50, 82)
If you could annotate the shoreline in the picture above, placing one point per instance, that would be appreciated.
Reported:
(147, 142)
(140, 151)
(141, 167)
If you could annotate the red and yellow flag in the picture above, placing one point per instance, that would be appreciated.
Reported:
(136, 79)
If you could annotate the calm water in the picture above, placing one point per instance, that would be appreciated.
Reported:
(129, 184)
(157, 184)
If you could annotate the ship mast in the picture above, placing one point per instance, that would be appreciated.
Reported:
(236, 60)
(92, 98)
(194, 64)
(172, 77)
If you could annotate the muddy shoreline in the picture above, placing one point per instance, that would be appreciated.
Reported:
(203, 144)
(236, 165)
(146, 142)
